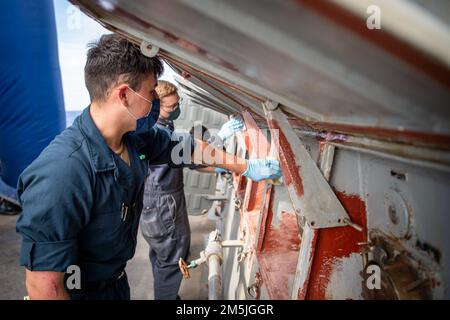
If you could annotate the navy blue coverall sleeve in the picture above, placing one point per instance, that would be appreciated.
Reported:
(57, 199)
(157, 146)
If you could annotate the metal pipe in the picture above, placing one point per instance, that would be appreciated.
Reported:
(412, 154)
(214, 277)
(212, 256)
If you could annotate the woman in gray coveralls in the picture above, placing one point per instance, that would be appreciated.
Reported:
(164, 220)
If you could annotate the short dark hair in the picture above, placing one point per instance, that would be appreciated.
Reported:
(113, 59)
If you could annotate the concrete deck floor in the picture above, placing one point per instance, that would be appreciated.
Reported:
(12, 276)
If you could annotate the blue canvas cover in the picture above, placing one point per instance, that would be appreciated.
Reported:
(31, 99)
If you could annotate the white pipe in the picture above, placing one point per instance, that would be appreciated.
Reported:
(214, 277)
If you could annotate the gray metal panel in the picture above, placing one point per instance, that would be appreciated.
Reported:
(419, 198)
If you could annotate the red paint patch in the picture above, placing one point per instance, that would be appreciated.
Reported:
(265, 219)
(258, 148)
(279, 255)
(288, 165)
(335, 243)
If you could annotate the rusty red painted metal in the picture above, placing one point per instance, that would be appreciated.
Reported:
(333, 244)
(286, 155)
(265, 221)
(253, 194)
(279, 255)
(258, 147)
(275, 241)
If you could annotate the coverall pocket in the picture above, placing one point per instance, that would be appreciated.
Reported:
(158, 217)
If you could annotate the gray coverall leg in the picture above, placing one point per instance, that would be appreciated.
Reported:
(165, 226)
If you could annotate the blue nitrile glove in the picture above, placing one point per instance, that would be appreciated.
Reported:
(220, 170)
(229, 128)
(262, 169)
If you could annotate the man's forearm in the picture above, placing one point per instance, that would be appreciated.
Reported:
(234, 166)
(46, 285)
(207, 154)
(206, 170)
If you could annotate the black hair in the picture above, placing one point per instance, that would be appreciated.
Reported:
(113, 59)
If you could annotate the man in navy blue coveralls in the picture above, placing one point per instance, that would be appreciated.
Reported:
(82, 197)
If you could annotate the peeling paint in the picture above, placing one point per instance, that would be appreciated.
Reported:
(279, 255)
(334, 244)
(345, 280)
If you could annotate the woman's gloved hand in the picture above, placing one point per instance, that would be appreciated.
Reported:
(262, 169)
(229, 128)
